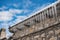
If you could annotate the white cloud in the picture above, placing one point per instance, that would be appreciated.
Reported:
(16, 5)
(3, 8)
(27, 4)
(15, 11)
(5, 16)
(8, 15)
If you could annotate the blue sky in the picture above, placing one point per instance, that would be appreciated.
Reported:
(15, 11)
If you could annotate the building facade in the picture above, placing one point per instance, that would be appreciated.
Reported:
(44, 25)
(2, 34)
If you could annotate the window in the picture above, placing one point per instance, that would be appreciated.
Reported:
(49, 13)
(45, 14)
(36, 21)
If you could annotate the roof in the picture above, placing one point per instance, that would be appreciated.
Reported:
(37, 13)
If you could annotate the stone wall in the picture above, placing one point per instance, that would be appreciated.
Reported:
(52, 33)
